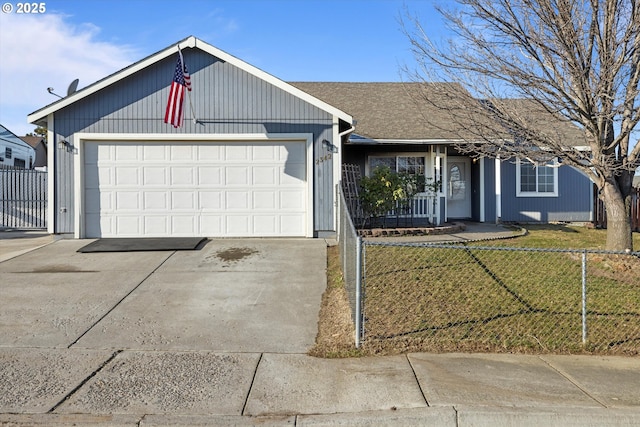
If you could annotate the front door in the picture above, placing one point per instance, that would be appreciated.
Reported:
(458, 187)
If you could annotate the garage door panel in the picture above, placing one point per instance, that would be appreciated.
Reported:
(210, 200)
(292, 174)
(155, 201)
(155, 152)
(212, 189)
(181, 175)
(292, 200)
(128, 200)
(292, 152)
(209, 152)
(265, 176)
(126, 175)
(209, 175)
(183, 225)
(265, 153)
(183, 201)
(182, 152)
(237, 200)
(265, 200)
(237, 225)
(265, 225)
(291, 225)
(154, 175)
(128, 225)
(156, 225)
(211, 225)
(237, 175)
(127, 153)
(237, 153)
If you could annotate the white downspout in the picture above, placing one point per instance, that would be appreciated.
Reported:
(343, 133)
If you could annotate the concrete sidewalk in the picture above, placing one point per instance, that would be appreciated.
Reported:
(17, 242)
(128, 388)
(125, 340)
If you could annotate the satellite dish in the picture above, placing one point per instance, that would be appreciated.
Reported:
(73, 87)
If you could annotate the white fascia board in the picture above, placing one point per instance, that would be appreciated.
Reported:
(364, 140)
(109, 80)
(190, 42)
(192, 137)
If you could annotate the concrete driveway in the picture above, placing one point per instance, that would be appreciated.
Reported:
(244, 295)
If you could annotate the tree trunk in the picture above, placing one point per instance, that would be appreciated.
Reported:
(618, 208)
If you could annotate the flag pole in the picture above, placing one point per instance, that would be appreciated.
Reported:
(193, 113)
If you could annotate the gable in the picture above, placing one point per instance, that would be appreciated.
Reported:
(153, 74)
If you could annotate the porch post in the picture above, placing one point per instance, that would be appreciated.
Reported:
(498, 190)
(437, 174)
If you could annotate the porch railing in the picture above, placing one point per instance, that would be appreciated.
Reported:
(421, 206)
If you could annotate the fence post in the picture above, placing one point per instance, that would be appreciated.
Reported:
(358, 313)
(584, 296)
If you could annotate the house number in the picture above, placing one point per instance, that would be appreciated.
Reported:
(323, 159)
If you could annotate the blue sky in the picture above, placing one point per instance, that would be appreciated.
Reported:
(295, 40)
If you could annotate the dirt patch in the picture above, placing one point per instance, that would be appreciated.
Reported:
(336, 333)
(60, 268)
(235, 254)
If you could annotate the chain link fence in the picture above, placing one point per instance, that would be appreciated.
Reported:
(430, 297)
(350, 244)
(468, 297)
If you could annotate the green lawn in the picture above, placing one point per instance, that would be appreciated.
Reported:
(561, 236)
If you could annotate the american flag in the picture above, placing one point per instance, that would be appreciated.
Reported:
(181, 80)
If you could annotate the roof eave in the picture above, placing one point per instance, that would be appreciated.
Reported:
(359, 139)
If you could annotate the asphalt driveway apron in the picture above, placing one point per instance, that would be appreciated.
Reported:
(233, 295)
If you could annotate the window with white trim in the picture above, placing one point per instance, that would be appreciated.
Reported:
(539, 180)
(412, 165)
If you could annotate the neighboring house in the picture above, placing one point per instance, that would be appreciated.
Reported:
(14, 152)
(391, 130)
(263, 158)
(39, 144)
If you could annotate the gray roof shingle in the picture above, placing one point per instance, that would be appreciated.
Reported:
(389, 110)
(400, 111)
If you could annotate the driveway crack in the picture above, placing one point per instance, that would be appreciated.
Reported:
(253, 380)
(79, 386)
(424, 396)
(573, 381)
(119, 302)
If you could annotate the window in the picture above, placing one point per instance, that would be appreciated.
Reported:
(7, 153)
(536, 180)
(412, 165)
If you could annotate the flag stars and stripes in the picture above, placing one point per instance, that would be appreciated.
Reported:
(175, 103)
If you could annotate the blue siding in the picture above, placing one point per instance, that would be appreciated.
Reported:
(226, 100)
(572, 204)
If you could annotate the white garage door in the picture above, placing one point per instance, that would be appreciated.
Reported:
(207, 189)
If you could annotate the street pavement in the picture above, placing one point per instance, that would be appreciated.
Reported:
(203, 338)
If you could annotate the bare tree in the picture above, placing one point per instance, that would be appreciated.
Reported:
(545, 79)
